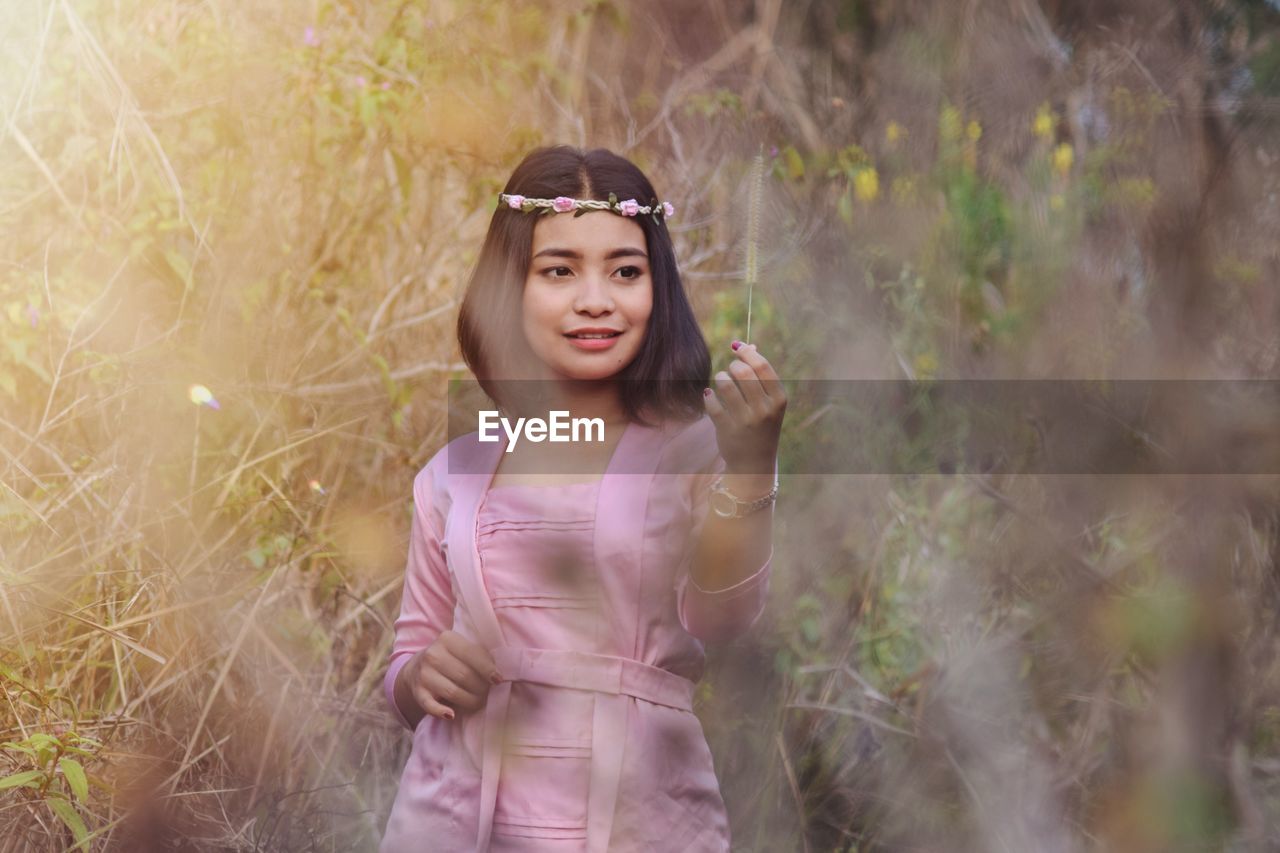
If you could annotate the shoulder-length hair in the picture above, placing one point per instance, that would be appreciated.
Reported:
(673, 365)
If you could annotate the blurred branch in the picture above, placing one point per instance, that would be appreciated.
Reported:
(364, 382)
(699, 76)
(851, 712)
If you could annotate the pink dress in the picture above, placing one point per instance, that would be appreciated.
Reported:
(590, 744)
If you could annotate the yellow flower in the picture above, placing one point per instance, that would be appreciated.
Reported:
(1057, 202)
(926, 365)
(893, 132)
(1042, 126)
(949, 123)
(1063, 156)
(974, 130)
(866, 184)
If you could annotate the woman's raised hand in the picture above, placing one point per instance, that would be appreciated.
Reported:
(748, 412)
(451, 673)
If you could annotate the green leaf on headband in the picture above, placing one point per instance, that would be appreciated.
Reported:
(579, 212)
(526, 206)
(613, 198)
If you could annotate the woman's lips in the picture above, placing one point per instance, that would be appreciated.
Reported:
(593, 344)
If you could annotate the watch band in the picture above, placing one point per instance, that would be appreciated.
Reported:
(728, 505)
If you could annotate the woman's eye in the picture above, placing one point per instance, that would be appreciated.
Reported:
(551, 270)
(638, 272)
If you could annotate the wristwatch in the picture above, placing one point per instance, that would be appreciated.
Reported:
(728, 505)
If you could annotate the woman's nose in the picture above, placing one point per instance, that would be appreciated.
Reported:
(593, 295)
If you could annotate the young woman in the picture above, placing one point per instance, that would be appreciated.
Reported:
(552, 624)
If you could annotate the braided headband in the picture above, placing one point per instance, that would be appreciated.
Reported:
(579, 206)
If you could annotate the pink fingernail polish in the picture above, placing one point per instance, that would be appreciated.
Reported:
(495, 678)
(736, 344)
(448, 714)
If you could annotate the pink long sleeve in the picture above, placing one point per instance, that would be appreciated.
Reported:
(427, 602)
(717, 615)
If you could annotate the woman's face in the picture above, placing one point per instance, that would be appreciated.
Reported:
(587, 272)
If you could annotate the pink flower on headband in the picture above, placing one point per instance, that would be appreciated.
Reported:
(514, 201)
(562, 204)
(630, 207)
(667, 209)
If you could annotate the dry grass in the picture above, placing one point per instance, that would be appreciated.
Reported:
(280, 203)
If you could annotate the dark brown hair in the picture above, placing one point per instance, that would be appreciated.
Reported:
(673, 365)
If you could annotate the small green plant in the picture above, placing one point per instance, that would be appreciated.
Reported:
(52, 770)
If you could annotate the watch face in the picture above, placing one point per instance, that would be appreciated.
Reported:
(724, 505)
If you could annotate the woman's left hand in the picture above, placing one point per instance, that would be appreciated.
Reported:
(747, 409)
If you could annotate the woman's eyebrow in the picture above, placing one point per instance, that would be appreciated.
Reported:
(625, 252)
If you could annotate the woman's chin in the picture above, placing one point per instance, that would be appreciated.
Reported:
(585, 371)
(579, 374)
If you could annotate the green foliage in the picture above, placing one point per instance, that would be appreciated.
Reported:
(721, 102)
(53, 776)
(1265, 68)
(851, 15)
(915, 333)
(976, 234)
(728, 321)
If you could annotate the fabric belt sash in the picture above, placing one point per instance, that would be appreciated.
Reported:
(613, 679)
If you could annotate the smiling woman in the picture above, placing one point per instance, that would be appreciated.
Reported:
(544, 281)
(547, 630)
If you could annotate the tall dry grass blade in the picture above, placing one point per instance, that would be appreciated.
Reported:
(133, 644)
(43, 168)
(232, 654)
(32, 75)
(794, 785)
(127, 110)
(753, 229)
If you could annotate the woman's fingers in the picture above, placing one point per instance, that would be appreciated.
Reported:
(449, 692)
(747, 406)
(753, 394)
(463, 676)
(731, 397)
(455, 673)
(428, 703)
(475, 656)
(769, 381)
(743, 394)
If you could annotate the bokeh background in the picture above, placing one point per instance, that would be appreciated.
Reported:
(233, 237)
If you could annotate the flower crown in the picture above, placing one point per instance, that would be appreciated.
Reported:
(579, 206)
